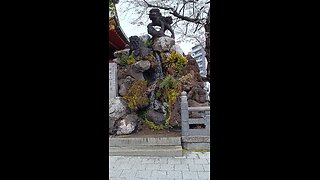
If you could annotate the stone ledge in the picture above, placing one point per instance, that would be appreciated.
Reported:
(149, 141)
(152, 151)
(196, 146)
(196, 139)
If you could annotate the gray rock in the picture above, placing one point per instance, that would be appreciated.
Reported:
(136, 75)
(122, 72)
(121, 52)
(142, 66)
(163, 44)
(193, 103)
(117, 109)
(124, 85)
(127, 125)
(145, 38)
(160, 107)
(155, 116)
(116, 60)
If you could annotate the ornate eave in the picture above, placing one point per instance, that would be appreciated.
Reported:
(117, 38)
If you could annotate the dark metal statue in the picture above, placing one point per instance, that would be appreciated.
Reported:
(158, 20)
(136, 46)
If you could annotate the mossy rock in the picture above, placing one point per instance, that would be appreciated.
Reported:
(137, 97)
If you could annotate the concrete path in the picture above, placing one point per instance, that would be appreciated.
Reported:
(192, 166)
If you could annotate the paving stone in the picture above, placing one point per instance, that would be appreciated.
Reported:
(152, 166)
(139, 166)
(148, 161)
(189, 175)
(192, 155)
(201, 161)
(158, 174)
(128, 173)
(117, 178)
(161, 161)
(174, 174)
(204, 175)
(187, 161)
(125, 166)
(181, 167)
(193, 166)
(115, 173)
(174, 161)
(206, 167)
(205, 155)
(196, 167)
(166, 167)
(146, 174)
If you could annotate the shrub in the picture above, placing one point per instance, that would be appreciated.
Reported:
(137, 97)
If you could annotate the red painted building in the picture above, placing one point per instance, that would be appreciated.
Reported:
(117, 38)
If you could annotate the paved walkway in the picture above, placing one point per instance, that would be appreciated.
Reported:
(194, 165)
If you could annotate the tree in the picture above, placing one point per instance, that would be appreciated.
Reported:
(191, 19)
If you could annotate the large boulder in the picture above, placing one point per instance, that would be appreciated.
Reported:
(145, 38)
(117, 109)
(124, 85)
(127, 125)
(132, 71)
(163, 44)
(118, 54)
(155, 116)
(142, 66)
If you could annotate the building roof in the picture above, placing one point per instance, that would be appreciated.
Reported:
(117, 38)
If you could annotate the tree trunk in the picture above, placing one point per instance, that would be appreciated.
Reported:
(207, 49)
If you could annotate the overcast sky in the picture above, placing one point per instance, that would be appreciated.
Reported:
(135, 30)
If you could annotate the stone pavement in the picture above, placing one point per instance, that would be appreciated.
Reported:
(192, 166)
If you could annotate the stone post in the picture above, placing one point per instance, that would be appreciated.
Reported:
(184, 114)
(113, 80)
(207, 122)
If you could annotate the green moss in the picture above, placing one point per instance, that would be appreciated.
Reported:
(152, 61)
(169, 83)
(131, 60)
(175, 61)
(124, 60)
(148, 43)
(170, 88)
(152, 125)
(137, 97)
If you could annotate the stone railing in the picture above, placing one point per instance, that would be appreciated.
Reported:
(194, 138)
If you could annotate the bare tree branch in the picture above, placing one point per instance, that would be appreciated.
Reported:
(175, 13)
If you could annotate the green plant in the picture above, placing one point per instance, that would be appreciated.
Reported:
(152, 125)
(131, 59)
(124, 60)
(175, 61)
(148, 43)
(169, 83)
(170, 89)
(137, 97)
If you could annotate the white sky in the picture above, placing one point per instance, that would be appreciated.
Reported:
(135, 30)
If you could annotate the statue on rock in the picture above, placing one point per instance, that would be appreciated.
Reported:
(158, 20)
(137, 47)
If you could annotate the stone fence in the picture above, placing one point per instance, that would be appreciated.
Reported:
(195, 131)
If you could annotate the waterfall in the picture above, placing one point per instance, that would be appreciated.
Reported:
(159, 72)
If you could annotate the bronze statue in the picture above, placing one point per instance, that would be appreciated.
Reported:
(137, 47)
(158, 20)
